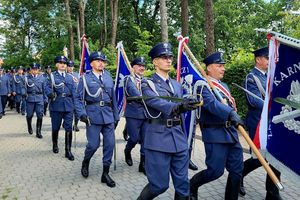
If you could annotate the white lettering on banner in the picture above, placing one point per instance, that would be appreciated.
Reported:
(284, 75)
(184, 70)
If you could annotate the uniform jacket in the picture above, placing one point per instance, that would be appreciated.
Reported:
(35, 88)
(19, 84)
(64, 91)
(159, 137)
(96, 113)
(134, 109)
(215, 112)
(255, 105)
(5, 88)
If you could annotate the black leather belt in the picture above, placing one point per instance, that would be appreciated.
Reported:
(167, 122)
(64, 95)
(226, 124)
(99, 103)
(34, 93)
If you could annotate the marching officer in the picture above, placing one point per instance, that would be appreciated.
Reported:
(19, 90)
(256, 82)
(135, 112)
(100, 114)
(5, 89)
(165, 142)
(63, 98)
(75, 76)
(11, 98)
(36, 96)
(220, 137)
(46, 75)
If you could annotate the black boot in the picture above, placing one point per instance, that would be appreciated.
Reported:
(75, 127)
(85, 168)
(179, 197)
(105, 178)
(125, 135)
(128, 158)
(146, 194)
(54, 141)
(45, 108)
(242, 189)
(29, 126)
(39, 123)
(68, 144)
(18, 107)
(142, 165)
(192, 166)
(195, 182)
(232, 188)
(272, 190)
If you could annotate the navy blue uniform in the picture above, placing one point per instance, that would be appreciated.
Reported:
(165, 142)
(62, 105)
(221, 143)
(20, 90)
(62, 91)
(255, 105)
(5, 89)
(36, 96)
(134, 114)
(101, 108)
(256, 82)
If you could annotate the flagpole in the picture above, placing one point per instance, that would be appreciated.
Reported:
(240, 128)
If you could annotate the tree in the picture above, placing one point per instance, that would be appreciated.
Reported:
(82, 4)
(184, 18)
(70, 29)
(163, 20)
(114, 17)
(209, 27)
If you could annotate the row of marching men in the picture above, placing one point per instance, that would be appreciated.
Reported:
(13, 87)
(157, 123)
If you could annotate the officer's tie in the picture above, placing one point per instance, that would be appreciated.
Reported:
(100, 79)
(170, 86)
(63, 75)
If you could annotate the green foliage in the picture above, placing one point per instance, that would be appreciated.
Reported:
(236, 70)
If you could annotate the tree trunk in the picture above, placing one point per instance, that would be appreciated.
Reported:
(209, 27)
(184, 18)
(163, 20)
(135, 5)
(105, 25)
(81, 17)
(78, 37)
(114, 17)
(70, 29)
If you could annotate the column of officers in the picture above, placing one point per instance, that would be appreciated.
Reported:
(155, 123)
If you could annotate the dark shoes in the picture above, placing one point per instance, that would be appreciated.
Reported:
(68, 144)
(29, 126)
(85, 168)
(128, 158)
(105, 178)
(192, 166)
(242, 191)
(125, 135)
(54, 141)
(39, 123)
(142, 165)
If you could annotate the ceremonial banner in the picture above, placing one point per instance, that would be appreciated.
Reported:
(84, 63)
(279, 130)
(122, 71)
(191, 79)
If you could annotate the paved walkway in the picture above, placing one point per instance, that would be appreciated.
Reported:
(29, 169)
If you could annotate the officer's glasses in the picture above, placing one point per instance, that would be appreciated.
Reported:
(166, 57)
